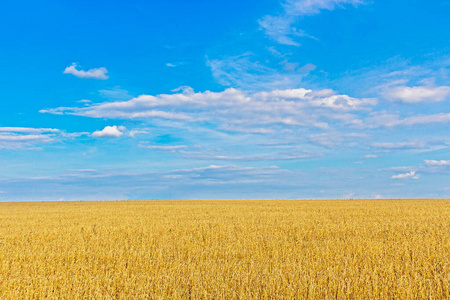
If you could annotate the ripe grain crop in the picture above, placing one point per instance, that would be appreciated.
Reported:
(248, 249)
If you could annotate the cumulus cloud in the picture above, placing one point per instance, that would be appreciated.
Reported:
(232, 109)
(109, 131)
(411, 175)
(280, 28)
(96, 73)
(438, 163)
(418, 94)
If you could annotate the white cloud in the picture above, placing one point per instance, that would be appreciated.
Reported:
(400, 145)
(176, 64)
(396, 72)
(418, 94)
(333, 139)
(173, 65)
(17, 138)
(133, 133)
(96, 73)
(243, 71)
(425, 119)
(72, 135)
(13, 141)
(293, 155)
(27, 130)
(28, 138)
(411, 174)
(280, 28)
(233, 109)
(247, 130)
(163, 148)
(311, 7)
(438, 163)
(200, 153)
(386, 119)
(109, 131)
(369, 156)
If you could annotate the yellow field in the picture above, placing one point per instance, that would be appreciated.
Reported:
(372, 249)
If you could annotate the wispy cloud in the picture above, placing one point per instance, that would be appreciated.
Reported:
(16, 141)
(386, 119)
(163, 148)
(28, 130)
(334, 139)
(400, 145)
(175, 64)
(397, 79)
(419, 94)
(246, 72)
(438, 163)
(96, 73)
(279, 156)
(133, 133)
(201, 153)
(312, 7)
(25, 138)
(281, 28)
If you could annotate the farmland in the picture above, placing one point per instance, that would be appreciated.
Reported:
(260, 249)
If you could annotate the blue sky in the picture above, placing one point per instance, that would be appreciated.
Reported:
(224, 99)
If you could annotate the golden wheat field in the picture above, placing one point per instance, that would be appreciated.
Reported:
(248, 249)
